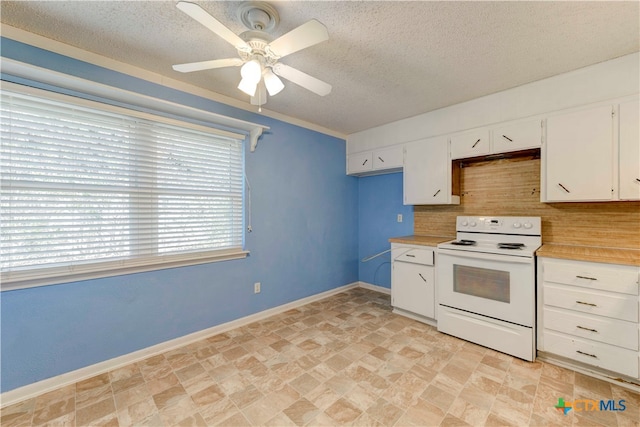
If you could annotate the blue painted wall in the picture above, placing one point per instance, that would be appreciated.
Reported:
(305, 241)
(379, 203)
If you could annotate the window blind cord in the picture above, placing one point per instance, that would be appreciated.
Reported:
(249, 227)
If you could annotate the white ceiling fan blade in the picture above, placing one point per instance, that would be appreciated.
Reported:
(302, 79)
(203, 17)
(307, 34)
(206, 65)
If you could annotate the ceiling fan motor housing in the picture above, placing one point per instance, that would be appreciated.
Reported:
(258, 16)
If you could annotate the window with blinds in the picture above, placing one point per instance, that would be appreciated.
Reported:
(91, 190)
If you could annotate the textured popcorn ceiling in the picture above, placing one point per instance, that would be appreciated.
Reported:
(385, 60)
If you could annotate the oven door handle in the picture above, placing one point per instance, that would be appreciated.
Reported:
(485, 256)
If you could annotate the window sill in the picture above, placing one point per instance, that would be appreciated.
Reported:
(58, 275)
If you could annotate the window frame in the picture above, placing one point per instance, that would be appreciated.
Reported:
(27, 278)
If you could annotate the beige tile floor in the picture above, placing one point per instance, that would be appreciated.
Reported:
(345, 360)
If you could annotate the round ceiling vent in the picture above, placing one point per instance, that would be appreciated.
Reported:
(258, 16)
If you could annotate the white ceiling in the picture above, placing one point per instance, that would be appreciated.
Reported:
(386, 60)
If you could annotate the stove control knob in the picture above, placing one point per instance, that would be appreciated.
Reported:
(527, 225)
(517, 225)
(473, 223)
(464, 223)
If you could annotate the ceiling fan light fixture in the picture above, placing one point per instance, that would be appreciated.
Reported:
(248, 86)
(272, 82)
(251, 71)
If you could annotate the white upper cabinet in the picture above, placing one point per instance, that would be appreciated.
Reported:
(383, 160)
(427, 173)
(578, 156)
(515, 136)
(388, 158)
(629, 153)
(472, 143)
(359, 163)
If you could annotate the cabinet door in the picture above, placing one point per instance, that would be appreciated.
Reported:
(388, 158)
(517, 136)
(578, 156)
(629, 151)
(427, 172)
(412, 288)
(470, 144)
(359, 162)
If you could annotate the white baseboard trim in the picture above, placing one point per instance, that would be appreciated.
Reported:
(35, 389)
(373, 287)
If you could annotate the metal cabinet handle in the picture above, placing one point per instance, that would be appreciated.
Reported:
(422, 277)
(436, 193)
(507, 138)
(586, 329)
(474, 145)
(564, 188)
(587, 354)
(587, 303)
(586, 277)
(365, 161)
(410, 256)
(381, 159)
(638, 179)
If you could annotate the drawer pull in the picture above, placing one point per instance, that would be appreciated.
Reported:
(586, 277)
(410, 256)
(507, 138)
(422, 277)
(436, 193)
(587, 354)
(381, 159)
(564, 188)
(587, 303)
(474, 145)
(365, 162)
(586, 329)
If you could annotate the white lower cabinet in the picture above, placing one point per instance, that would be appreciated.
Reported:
(589, 312)
(413, 280)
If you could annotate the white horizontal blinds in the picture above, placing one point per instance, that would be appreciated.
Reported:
(199, 189)
(82, 185)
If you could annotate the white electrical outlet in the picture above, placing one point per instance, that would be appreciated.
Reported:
(256, 288)
(399, 217)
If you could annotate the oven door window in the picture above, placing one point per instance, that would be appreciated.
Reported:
(482, 282)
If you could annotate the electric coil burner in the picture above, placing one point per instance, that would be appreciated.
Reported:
(486, 283)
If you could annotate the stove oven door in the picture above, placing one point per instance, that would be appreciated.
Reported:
(497, 286)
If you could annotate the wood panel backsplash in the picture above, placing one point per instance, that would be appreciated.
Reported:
(511, 187)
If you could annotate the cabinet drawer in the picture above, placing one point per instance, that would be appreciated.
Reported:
(470, 144)
(596, 328)
(593, 353)
(609, 304)
(623, 279)
(414, 255)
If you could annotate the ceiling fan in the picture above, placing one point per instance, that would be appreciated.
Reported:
(258, 55)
